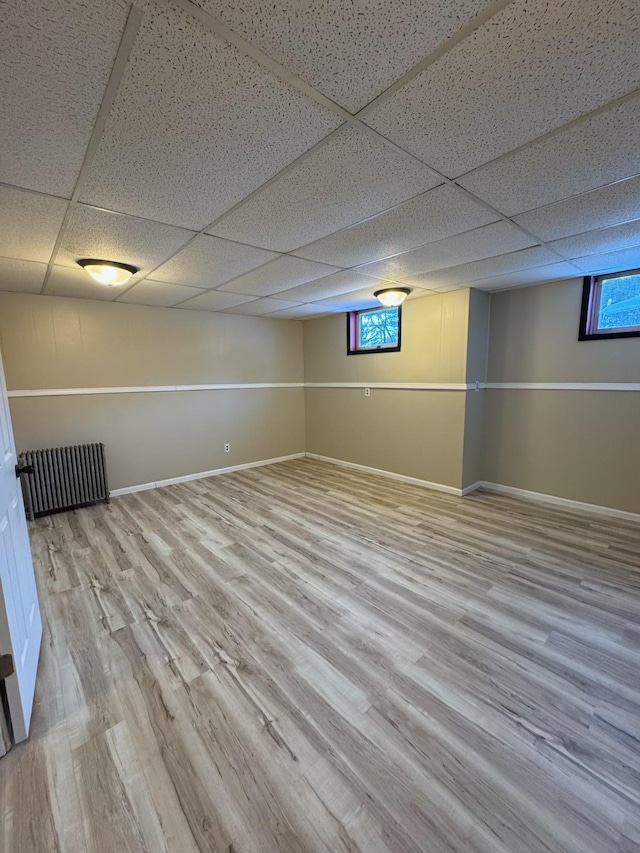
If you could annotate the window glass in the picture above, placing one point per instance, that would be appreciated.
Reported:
(374, 330)
(610, 306)
(378, 328)
(619, 304)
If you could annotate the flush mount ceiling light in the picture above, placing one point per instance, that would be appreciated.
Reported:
(392, 296)
(111, 273)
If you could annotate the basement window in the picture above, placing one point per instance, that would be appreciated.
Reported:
(610, 306)
(374, 330)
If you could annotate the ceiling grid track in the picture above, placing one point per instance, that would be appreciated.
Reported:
(223, 31)
(229, 36)
(124, 49)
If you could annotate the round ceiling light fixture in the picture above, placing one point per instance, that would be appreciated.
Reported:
(391, 297)
(109, 273)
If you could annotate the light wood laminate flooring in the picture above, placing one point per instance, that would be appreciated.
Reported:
(306, 658)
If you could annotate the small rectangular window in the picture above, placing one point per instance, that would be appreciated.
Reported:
(373, 330)
(610, 306)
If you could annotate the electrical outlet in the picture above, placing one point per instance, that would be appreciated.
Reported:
(227, 448)
(367, 392)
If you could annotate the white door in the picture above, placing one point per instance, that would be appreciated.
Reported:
(20, 622)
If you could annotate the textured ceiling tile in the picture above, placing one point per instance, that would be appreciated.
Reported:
(485, 242)
(349, 51)
(431, 216)
(279, 275)
(598, 242)
(114, 237)
(623, 259)
(210, 262)
(187, 136)
(300, 312)
(158, 293)
(56, 60)
(215, 300)
(351, 301)
(591, 153)
(65, 281)
(550, 272)
(21, 276)
(332, 285)
(261, 306)
(607, 206)
(489, 267)
(352, 175)
(532, 67)
(29, 224)
(361, 299)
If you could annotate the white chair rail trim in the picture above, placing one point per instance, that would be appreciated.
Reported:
(378, 386)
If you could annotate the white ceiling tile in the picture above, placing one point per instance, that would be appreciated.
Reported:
(66, 281)
(283, 273)
(114, 237)
(489, 267)
(485, 242)
(29, 224)
(359, 299)
(158, 293)
(215, 300)
(351, 176)
(56, 60)
(209, 262)
(550, 272)
(351, 301)
(186, 136)
(431, 216)
(447, 288)
(597, 242)
(610, 205)
(300, 312)
(623, 259)
(21, 276)
(591, 153)
(258, 307)
(529, 69)
(332, 285)
(349, 51)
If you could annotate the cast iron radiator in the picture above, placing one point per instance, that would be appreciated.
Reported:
(62, 478)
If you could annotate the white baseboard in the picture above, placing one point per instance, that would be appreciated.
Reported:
(472, 488)
(539, 497)
(380, 472)
(498, 488)
(142, 487)
(554, 500)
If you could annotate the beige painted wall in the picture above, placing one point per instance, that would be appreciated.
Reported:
(581, 445)
(434, 333)
(51, 342)
(54, 342)
(478, 335)
(417, 433)
(473, 451)
(534, 338)
(156, 436)
(474, 412)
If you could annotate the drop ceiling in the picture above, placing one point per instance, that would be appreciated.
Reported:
(286, 160)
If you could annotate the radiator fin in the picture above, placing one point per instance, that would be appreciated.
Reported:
(64, 478)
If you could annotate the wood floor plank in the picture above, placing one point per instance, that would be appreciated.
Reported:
(307, 658)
